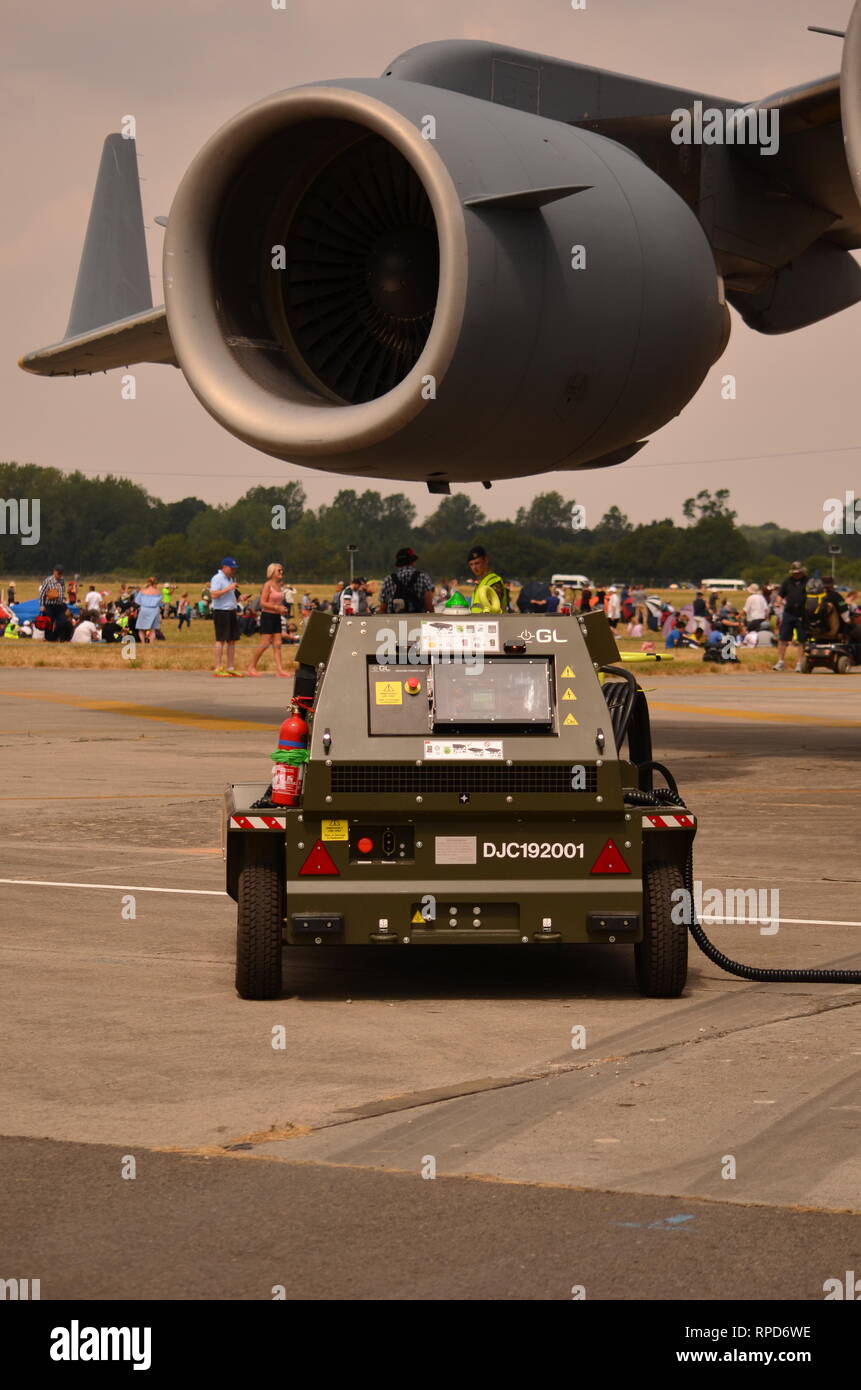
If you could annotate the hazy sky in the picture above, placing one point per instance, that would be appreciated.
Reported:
(182, 67)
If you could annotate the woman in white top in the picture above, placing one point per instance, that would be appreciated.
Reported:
(271, 611)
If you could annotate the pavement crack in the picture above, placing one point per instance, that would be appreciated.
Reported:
(416, 1100)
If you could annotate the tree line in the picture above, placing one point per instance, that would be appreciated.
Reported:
(111, 525)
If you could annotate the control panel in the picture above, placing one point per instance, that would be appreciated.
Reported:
(381, 844)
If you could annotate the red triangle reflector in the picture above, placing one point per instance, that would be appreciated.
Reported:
(610, 861)
(319, 861)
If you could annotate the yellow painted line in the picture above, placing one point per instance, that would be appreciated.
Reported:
(217, 723)
(766, 717)
(137, 795)
(771, 791)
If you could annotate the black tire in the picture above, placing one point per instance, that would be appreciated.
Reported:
(259, 924)
(843, 664)
(661, 958)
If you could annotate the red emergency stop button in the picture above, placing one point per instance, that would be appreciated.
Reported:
(365, 845)
(413, 685)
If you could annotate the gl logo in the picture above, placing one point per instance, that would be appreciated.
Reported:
(542, 634)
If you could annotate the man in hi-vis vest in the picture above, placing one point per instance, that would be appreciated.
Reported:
(490, 594)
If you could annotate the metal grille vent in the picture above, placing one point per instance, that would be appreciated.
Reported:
(366, 778)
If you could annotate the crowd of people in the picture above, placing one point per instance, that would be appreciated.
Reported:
(769, 616)
(774, 616)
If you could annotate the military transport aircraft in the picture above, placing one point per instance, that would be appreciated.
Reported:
(483, 264)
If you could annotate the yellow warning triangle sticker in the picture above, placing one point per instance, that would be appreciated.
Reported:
(569, 694)
(569, 719)
(568, 674)
(416, 917)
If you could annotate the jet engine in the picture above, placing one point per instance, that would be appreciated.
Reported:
(391, 279)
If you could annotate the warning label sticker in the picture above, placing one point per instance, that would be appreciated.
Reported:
(569, 719)
(569, 694)
(389, 692)
(455, 849)
(568, 674)
(464, 748)
(335, 830)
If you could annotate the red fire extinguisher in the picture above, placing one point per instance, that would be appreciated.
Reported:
(290, 758)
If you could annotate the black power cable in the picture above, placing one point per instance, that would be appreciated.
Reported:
(755, 972)
(669, 796)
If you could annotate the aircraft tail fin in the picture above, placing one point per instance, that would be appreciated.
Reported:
(112, 320)
(113, 277)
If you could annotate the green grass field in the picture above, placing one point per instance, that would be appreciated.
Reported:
(192, 649)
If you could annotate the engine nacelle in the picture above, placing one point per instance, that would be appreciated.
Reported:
(444, 304)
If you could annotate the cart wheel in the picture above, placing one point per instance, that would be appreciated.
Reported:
(661, 958)
(843, 664)
(259, 923)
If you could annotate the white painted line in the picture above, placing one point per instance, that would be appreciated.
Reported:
(118, 887)
(215, 893)
(782, 921)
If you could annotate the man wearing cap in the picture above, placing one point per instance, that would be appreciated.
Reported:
(406, 589)
(489, 595)
(224, 590)
(52, 601)
(793, 591)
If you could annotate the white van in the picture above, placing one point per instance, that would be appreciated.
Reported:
(572, 581)
(736, 584)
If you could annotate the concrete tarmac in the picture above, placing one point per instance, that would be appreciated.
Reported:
(125, 1037)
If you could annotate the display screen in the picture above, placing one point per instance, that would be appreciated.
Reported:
(501, 691)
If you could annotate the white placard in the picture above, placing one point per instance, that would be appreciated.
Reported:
(464, 749)
(452, 635)
(455, 849)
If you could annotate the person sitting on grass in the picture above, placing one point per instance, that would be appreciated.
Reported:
(676, 633)
(87, 628)
(111, 628)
